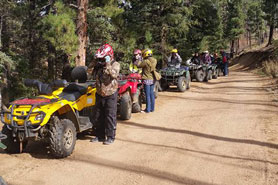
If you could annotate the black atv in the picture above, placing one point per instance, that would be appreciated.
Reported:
(198, 72)
(179, 77)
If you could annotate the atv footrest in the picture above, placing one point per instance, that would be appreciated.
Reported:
(85, 123)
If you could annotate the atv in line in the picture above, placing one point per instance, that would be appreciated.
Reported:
(179, 77)
(59, 112)
(131, 95)
(203, 72)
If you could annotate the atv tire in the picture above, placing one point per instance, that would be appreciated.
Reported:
(209, 76)
(136, 107)
(182, 84)
(164, 85)
(12, 144)
(215, 76)
(200, 75)
(188, 81)
(62, 136)
(125, 107)
(156, 89)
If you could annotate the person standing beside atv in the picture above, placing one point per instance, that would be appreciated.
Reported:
(137, 57)
(225, 62)
(174, 59)
(148, 66)
(106, 71)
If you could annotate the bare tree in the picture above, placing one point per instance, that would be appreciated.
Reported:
(82, 31)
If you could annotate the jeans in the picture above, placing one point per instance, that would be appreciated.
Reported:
(225, 72)
(106, 116)
(150, 99)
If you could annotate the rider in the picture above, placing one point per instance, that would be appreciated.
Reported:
(195, 59)
(174, 59)
(148, 65)
(207, 58)
(106, 71)
(137, 57)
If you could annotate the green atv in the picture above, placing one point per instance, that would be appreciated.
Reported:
(179, 77)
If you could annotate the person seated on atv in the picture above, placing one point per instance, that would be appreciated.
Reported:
(195, 59)
(207, 58)
(217, 59)
(174, 59)
(137, 57)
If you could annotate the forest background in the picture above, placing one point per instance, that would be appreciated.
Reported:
(43, 39)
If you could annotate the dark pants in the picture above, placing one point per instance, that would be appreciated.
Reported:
(106, 116)
(150, 99)
(225, 70)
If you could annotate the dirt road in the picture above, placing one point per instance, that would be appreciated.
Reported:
(221, 132)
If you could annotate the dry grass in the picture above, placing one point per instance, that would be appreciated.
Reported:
(271, 68)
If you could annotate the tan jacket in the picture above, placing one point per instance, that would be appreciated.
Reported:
(106, 79)
(148, 65)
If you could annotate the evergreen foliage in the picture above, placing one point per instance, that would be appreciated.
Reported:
(38, 38)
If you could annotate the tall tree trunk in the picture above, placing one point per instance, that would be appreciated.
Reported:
(232, 48)
(82, 32)
(1, 26)
(163, 43)
(271, 28)
(50, 61)
(250, 40)
(31, 44)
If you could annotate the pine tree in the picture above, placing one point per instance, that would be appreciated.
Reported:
(270, 7)
(235, 22)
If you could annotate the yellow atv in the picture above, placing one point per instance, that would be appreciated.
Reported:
(55, 115)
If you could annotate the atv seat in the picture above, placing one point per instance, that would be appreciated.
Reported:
(74, 91)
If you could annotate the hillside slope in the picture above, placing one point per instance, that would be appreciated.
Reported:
(254, 59)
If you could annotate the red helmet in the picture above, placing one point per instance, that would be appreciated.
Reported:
(105, 50)
(137, 51)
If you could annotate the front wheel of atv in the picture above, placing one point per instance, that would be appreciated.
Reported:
(164, 85)
(62, 136)
(200, 75)
(188, 81)
(125, 107)
(181, 84)
(209, 76)
(12, 144)
(136, 107)
(215, 76)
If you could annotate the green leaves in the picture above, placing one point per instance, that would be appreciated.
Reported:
(59, 29)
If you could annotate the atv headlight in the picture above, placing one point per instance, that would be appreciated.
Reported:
(39, 117)
(177, 74)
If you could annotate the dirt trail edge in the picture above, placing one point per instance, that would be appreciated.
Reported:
(221, 132)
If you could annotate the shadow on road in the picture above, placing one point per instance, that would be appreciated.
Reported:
(155, 173)
(199, 152)
(199, 134)
(222, 100)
